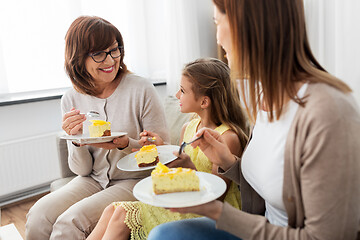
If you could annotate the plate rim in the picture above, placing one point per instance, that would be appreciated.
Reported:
(149, 167)
(90, 140)
(187, 204)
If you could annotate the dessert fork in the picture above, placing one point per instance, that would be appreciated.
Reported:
(92, 113)
(184, 144)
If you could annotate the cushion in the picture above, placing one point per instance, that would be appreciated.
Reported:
(63, 157)
(175, 119)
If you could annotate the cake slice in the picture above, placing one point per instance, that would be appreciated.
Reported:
(169, 180)
(99, 128)
(147, 156)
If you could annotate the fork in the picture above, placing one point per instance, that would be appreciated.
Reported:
(91, 113)
(184, 144)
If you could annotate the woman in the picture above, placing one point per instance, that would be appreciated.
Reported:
(94, 54)
(299, 174)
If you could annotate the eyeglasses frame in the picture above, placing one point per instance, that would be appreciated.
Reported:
(107, 53)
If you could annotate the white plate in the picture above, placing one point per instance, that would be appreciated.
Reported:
(128, 163)
(88, 140)
(211, 187)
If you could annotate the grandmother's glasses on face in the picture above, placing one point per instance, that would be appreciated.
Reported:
(102, 55)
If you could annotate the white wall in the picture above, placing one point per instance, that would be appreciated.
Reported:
(35, 118)
(29, 119)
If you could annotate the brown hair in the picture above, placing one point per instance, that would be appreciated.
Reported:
(271, 50)
(89, 34)
(211, 77)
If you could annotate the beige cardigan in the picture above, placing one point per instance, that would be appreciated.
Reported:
(321, 190)
(133, 107)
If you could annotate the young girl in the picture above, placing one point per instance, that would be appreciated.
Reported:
(206, 90)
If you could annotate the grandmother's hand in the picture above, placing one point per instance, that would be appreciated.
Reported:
(212, 145)
(72, 122)
(211, 210)
(120, 142)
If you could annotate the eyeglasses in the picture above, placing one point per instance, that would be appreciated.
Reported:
(102, 55)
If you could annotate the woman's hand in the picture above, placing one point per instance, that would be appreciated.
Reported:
(72, 122)
(214, 148)
(147, 134)
(211, 210)
(183, 160)
(120, 142)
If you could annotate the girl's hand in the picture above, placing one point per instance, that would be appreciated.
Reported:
(120, 142)
(214, 148)
(72, 122)
(183, 160)
(211, 210)
(147, 134)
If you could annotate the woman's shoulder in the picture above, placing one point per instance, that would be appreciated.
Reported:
(321, 95)
(73, 98)
(133, 79)
(70, 94)
(327, 104)
(324, 90)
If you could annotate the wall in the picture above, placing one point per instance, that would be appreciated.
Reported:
(36, 118)
(24, 121)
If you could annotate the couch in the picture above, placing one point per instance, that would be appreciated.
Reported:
(174, 118)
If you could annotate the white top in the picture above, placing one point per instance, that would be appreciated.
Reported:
(263, 161)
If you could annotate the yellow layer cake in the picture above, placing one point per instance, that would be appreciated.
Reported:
(99, 128)
(169, 180)
(147, 156)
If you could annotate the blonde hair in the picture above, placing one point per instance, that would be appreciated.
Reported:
(211, 77)
(271, 51)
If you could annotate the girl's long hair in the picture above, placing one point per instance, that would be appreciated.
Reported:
(271, 52)
(211, 77)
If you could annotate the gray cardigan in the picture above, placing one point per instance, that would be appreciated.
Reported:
(133, 107)
(321, 190)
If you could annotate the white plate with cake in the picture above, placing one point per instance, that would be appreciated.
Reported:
(147, 157)
(81, 139)
(178, 187)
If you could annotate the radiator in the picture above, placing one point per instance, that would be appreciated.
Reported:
(27, 164)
